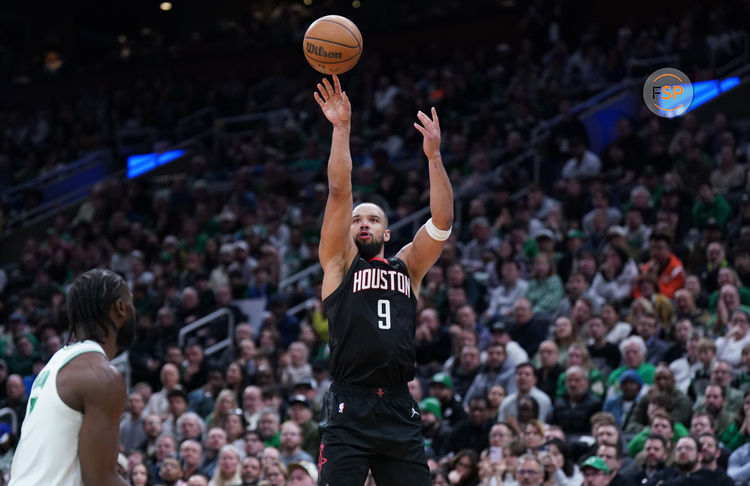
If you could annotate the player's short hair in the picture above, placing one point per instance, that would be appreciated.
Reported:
(90, 300)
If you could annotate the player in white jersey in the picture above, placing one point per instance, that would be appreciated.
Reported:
(70, 436)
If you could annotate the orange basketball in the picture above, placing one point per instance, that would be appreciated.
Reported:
(332, 44)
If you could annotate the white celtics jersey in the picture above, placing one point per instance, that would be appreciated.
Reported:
(47, 453)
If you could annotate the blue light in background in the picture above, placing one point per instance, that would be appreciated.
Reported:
(142, 163)
(704, 91)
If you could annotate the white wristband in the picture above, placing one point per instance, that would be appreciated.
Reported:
(435, 233)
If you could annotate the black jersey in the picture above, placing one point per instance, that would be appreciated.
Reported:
(371, 324)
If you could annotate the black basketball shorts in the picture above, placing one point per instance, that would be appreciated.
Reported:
(365, 428)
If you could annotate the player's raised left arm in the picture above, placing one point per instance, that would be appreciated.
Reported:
(424, 250)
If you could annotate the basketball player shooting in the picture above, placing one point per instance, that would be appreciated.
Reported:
(369, 420)
(70, 436)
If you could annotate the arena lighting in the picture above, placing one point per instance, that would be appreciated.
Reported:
(704, 91)
(142, 163)
(356, 4)
(307, 2)
(165, 6)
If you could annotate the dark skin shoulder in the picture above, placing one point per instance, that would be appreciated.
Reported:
(91, 385)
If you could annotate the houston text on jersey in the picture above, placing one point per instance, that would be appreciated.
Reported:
(378, 278)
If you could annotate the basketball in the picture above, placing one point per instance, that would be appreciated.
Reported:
(332, 44)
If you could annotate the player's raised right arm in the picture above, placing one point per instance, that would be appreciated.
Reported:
(337, 248)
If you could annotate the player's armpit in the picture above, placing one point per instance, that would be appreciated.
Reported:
(420, 255)
(103, 393)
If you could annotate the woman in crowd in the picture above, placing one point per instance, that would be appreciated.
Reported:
(614, 280)
(235, 426)
(738, 433)
(228, 469)
(464, 468)
(560, 468)
(545, 287)
(495, 398)
(139, 476)
(225, 402)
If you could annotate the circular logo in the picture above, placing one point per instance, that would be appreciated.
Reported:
(668, 92)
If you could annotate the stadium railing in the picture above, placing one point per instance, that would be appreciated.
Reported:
(207, 320)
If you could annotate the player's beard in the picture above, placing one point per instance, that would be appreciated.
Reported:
(126, 333)
(369, 249)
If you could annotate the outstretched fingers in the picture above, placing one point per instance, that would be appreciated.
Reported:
(420, 128)
(435, 120)
(336, 84)
(329, 88)
(323, 92)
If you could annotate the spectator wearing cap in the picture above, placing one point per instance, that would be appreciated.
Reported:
(623, 404)
(301, 414)
(441, 387)
(525, 379)
(302, 473)
(290, 444)
(503, 297)
(667, 268)
(545, 287)
(435, 431)
(500, 333)
(310, 388)
(595, 472)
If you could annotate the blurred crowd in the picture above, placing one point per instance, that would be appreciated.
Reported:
(590, 326)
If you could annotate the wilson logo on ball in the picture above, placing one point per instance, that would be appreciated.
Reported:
(321, 52)
(332, 44)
